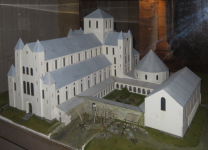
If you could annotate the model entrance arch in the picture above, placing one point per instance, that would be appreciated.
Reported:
(30, 108)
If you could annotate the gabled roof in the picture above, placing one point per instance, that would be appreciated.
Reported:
(70, 32)
(121, 36)
(112, 38)
(49, 80)
(74, 72)
(179, 85)
(38, 47)
(70, 104)
(64, 46)
(11, 71)
(151, 63)
(135, 52)
(98, 14)
(20, 45)
(129, 33)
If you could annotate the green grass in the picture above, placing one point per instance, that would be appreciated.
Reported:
(192, 136)
(117, 143)
(4, 99)
(139, 99)
(16, 115)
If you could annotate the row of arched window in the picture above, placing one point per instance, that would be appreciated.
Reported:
(136, 90)
(28, 88)
(28, 71)
(146, 77)
(72, 59)
(113, 51)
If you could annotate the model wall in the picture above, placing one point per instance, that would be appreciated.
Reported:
(170, 121)
(151, 77)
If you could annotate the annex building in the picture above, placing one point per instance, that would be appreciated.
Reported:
(61, 78)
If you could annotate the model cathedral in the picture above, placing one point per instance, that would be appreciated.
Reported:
(53, 78)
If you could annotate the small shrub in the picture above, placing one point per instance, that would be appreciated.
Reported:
(125, 93)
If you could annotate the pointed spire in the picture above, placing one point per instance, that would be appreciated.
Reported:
(11, 71)
(70, 32)
(20, 45)
(49, 80)
(38, 47)
(80, 28)
(129, 33)
(121, 36)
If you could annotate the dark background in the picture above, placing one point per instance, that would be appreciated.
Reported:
(187, 26)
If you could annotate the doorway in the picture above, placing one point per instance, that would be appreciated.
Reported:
(30, 108)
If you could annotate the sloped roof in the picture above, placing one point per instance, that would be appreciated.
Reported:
(151, 63)
(112, 38)
(70, 32)
(70, 104)
(98, 14)
(121, 36)
(11, 71)
(129, 33)
(98, 87)
(64, 46)
(74, 72)
(135, 52)
(49, 80)
(20, 45)
(179, 85)
(38, 47)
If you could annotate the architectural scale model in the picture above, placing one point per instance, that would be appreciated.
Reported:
(62, 78)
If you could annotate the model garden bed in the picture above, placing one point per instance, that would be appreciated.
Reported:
(124, 96)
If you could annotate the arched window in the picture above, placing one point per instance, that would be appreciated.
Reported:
(23, 70)
(88, 83)
(14, 86)
(55, 64)
(91, 53)
(106, 50)
(78, 57)
(32, 89)
(106, 24)
(115, 72)
(163, 105)
(117, 86)
(74, 91)
(95, 80)
(89, 24)
(121, 86)
(81, 88)
(31, 71)
(85, 55)
(66, 95)
(113, 52)
(96, 24)
(130, 88)
(71, 59)
(58, 99)
(145, 77)
(114, 60)
(28, 88)
(27, 71)
(47, 67)
(157, 77)
(134, 89)
(148, 92)
(24, 86)
(143, 91)
(100, 78)
(63, 61)
(139, 90)
(43, 96)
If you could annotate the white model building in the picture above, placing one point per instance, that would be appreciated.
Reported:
(59, 77)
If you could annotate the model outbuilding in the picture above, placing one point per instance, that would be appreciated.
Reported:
(172, 105)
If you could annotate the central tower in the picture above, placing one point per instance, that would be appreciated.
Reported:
(99, 23)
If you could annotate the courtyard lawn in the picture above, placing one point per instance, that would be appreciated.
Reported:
(133, 99)
(192, 136)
